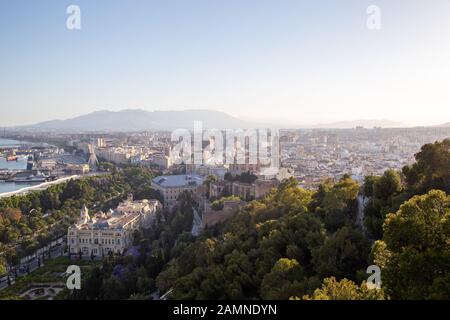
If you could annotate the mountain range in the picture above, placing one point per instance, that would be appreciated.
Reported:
(141, 120)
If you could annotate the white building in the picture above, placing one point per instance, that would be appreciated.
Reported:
(111, 231)
(161, 160)
(116, 154)
(171, 187)
(101, 143)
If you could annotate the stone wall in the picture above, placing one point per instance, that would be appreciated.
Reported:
(212, 217)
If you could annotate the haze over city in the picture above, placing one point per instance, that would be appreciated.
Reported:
(316, 63)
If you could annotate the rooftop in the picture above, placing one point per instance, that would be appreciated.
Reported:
(178, 180)
(126, 212)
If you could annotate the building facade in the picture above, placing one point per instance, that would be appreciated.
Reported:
(171, 187)
(212, 217)
(110, 232)
(243, 190)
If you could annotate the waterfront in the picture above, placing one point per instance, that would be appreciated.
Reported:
(23, 188)
(6, 187)
(20, 164)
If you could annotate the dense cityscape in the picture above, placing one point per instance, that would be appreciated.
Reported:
(203, 197)
(311, 156)
(221, 159)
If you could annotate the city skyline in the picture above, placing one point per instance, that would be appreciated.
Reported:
(318, 63)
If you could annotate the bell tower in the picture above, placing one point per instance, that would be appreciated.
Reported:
(84, 215)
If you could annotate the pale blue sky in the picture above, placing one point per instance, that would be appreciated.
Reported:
(288, 61)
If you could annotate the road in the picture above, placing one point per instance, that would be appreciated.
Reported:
(46, 185)
(33, 263)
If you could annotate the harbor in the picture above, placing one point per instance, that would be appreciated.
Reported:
(20, 188)
(10, 167)
(26, 167)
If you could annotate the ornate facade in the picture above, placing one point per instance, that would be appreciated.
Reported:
(110, 232)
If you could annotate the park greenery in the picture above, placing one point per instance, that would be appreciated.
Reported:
(388, 192)
(343, 290)
(28, 222)
(53, 271)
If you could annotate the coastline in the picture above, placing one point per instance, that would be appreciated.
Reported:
(38, 187)
(45, 185)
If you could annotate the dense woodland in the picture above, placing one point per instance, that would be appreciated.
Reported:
(300, 244)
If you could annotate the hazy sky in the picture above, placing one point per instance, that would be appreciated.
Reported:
(293, 62)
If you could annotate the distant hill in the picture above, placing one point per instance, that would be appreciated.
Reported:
(445, 125)
(140, 120)
(366, 123)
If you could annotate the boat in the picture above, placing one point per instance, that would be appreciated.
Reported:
(30, 179)
(11, 156)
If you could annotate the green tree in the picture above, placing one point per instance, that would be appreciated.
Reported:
(342, 255)
(344, 290)
(92, 287)
(209, 179)
(144, 284)
(431, 170)
(387, 185)
(283, 280)
(336, 203)
(369, 182)
(414, 254)
(387, 196)
(2, 266)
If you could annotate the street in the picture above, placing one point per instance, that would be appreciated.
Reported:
(32, 263)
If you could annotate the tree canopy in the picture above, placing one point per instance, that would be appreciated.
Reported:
(414, 253)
